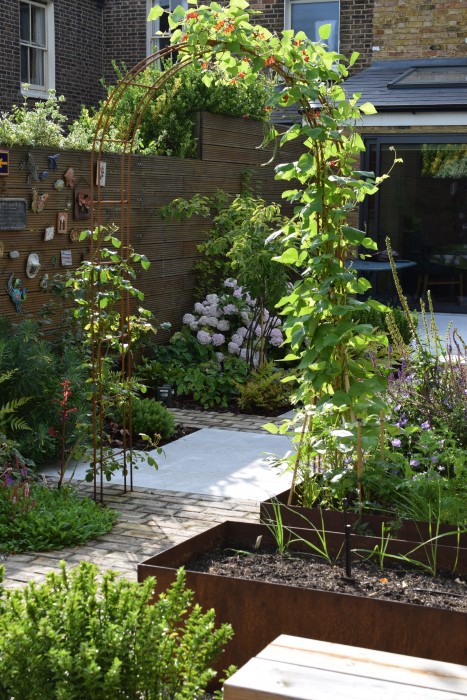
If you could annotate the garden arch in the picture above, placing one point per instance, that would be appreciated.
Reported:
(334, 370)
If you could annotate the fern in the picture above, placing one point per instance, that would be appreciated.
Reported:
(7, 410)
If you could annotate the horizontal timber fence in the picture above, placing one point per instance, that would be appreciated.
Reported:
(227, 148)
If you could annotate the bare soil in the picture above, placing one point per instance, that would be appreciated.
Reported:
(396, 583)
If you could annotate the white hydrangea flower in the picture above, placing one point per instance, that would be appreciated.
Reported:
(223, 325)
(188, 318)
(218, 339)
(233, 348)
(203, 338)
(199, 308)
(237, 339)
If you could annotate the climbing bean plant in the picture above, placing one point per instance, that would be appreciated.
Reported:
(340, 386)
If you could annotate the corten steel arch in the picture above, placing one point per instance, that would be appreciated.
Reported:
(98, 201)
(101, 139)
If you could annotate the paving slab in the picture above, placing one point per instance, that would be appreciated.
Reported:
(213, 462)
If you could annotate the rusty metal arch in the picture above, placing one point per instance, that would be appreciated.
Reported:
(101, 142)
(98, 201)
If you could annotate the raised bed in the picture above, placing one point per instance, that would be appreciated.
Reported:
(260, 611)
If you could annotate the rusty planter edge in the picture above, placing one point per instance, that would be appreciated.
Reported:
(334, 520)
(260, 611)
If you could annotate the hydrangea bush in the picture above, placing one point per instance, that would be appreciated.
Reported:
(233, 324)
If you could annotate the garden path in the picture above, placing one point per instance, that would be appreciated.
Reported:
(151, 518)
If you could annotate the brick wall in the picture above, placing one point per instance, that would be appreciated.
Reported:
(125, 34)
(356, 24)
(78, 53)
(420, 28)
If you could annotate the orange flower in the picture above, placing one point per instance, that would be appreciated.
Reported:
(297, 42)
(229, 28)
(306, 59)
(267, 109)
(246, 116)
(285, 98)
(270, 61)
(184, 37)
(383, 580)
(241, 75)
(192, 15)
(233, 81)
(220, 24)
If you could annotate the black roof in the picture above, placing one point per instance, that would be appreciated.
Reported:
(373, 83)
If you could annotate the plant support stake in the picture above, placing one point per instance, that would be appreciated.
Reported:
(348, 564)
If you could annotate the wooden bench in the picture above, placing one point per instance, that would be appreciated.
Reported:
(307, 669)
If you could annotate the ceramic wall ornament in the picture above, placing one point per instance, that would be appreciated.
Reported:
(82, 204)
(53, 161)
(49, 233)
(38, 201)
(13, 254)
(74, 235)
(17, 293)
(30, 165)
(4, 162)
(59, 184)
(69, 177)
(101, 172)
(44, 175)
(62, 222)
(32, 265)
(66, 258)
(44, 281)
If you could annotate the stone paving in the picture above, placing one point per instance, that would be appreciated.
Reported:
(150, 520)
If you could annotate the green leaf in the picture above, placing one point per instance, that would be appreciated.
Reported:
(288, 257)
(367, 108)
(156, 12)
(324, 31)
(115, 242)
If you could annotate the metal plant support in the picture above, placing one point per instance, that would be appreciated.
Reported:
(122, 206)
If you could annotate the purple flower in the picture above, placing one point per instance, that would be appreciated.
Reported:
(230, 282)
(414, 463)
(426, 425)
(237, 339)
(203, 338)
(233, 348)
(218, 339)
(238, 293)
(276, 338)
(229, 309)
(396, 442)
(188, 318)
(223, 325)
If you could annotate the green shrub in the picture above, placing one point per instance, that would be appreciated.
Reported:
(30, 366)
(211, 383)
(40, 518)
(264, 391)
(149, 417)
(73, 639)
(377, 319)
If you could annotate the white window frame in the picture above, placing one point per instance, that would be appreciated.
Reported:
(152, 38)
(288, 14)
(49, 62)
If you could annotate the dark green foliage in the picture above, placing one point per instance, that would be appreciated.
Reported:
(50, 519)
(167, 127)
(75, 639)
(195, 371)
(149, 417)
(211, 383)
(35, 368)
(264, 392)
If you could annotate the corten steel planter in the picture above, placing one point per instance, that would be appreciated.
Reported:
(334, 521)
(260, 611)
